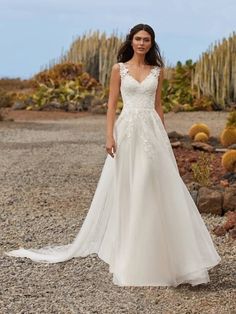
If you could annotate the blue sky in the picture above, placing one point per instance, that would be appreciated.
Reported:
(33, 32)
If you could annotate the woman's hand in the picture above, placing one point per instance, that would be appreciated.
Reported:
(111, 146)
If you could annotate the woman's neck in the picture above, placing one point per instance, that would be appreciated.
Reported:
(138, 60)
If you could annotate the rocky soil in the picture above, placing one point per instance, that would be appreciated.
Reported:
(48, 174)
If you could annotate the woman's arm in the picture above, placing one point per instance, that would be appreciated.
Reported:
(158, 106)
(114, 90)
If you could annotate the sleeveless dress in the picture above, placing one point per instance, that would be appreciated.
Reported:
(142, 220)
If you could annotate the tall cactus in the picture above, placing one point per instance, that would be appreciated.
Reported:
(94, 50)
(97, 52)
(215, 72)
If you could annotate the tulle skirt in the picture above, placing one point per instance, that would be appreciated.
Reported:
(142, 220)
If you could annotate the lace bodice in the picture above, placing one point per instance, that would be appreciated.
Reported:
(139, 117)
(135, 94)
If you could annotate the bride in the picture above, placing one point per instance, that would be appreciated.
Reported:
(142, 220)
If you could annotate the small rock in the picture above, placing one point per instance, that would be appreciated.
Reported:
(224, 183)
(233, 146)
(55, 104)
(18, 105)
(209, 201)
(72, 107)
(176, 144)
(221, 150)
(219, 231)
(229, 202)
(174, 134)
(230, 224)
(202, 146)
(231, 220)
(233, 233)
(193, 186)
(230, 176)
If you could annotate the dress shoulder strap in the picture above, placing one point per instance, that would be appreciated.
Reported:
(156, 70)
(123, 69)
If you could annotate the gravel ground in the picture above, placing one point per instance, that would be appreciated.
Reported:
(48, 174)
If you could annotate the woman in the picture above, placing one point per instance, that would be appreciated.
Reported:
(142, 220)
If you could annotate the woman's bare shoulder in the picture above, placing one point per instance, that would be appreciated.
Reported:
(116, 67)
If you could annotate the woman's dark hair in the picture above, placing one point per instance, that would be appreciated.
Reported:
(152, 57)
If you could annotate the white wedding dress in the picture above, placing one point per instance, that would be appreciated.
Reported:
(142, 220)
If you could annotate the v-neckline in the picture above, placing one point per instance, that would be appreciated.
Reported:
(128, 72)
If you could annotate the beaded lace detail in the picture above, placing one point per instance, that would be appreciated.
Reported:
(138, 95)
(125, 71)
(138, 114)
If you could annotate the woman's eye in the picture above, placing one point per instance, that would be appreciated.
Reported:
(145, 39)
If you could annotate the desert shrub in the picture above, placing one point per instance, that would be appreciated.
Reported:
(204, 102)
(6, 99)
(66, 72)
(64, 86)
(202, 169)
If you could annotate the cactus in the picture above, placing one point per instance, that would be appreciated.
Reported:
(206, 84)
(231, 119)
(228, 136)
(201, 137)
(64, 86)
(96, 51)
(198, 127)
(215, 72)
(176, 89)
(228, 160)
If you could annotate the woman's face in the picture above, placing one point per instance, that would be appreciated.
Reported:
(141, 42)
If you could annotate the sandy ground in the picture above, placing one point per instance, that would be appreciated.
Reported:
(180, 121)
(48, 175)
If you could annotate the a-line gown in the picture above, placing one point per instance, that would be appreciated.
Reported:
(142, 220)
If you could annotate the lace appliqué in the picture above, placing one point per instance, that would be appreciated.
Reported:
(123, 70)
(148, 145)
(140, 118)
(138, 105)
(156, 71)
